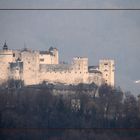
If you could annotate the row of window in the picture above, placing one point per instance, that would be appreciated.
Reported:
(107, 70)
(63, 72)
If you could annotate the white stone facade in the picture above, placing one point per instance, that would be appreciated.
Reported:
(35, 67)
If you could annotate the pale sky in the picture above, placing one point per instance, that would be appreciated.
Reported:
(93, 34)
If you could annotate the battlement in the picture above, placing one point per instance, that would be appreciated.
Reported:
(34, 67)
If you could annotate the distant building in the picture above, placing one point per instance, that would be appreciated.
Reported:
(35, 67)
(75, 104)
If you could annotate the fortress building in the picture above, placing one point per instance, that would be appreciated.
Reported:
(107, 68)
(36, 67)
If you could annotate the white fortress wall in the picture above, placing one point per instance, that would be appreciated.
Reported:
(34, 67)
(4, 72)
(49, 57)
(6, 56)
(45, 59)
(59, 73)
(30, 67)
(64, 73)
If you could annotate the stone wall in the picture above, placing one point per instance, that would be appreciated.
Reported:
(6, 56)
(4, 72)
(34, 67)
(30, 67)
(64, 73)
(49, 57)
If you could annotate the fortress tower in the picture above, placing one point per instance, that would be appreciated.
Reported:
(30, 67)
(6, 56)
(80, 65)
(107, 67)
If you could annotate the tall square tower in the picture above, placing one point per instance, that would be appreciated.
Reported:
(107, 67)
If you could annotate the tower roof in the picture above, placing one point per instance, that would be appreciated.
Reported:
(5, 47)
(51, 48)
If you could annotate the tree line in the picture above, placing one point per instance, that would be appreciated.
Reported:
(39, 108)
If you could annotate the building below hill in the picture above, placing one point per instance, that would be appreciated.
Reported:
(35, 67)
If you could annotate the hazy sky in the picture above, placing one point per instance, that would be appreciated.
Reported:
(94, 34)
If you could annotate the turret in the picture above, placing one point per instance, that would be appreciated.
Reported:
(5, 47)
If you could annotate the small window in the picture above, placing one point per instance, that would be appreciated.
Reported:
(105, 63)
(42, 59)
(13, 54)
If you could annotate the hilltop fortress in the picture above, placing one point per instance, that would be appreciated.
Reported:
(36, 67)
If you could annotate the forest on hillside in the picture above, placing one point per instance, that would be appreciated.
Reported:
(39, 114)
